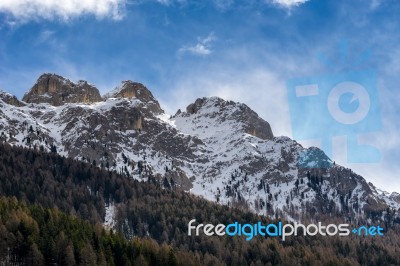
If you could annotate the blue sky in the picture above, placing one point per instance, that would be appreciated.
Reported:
(240, 50)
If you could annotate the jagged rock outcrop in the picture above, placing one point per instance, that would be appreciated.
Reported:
(129, 89)
(56, 90)
(194, 107)
(10, 99)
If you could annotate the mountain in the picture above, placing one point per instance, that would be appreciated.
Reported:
(221, 150)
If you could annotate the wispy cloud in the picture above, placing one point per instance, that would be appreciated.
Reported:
(164, 2)
(375, 4)
(27, 10)
(288, 3)
(202, 48)
(45, 36)
(223, 4)
(172, 2)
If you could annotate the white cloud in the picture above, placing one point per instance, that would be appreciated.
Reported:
(289, 3)
(203, 46)
(198, 49)
(26, 10)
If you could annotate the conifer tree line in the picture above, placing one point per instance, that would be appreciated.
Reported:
(51, 204)
(33, 235)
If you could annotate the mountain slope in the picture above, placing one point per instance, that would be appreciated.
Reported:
(148, 213)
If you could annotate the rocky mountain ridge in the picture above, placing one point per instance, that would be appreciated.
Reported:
(221, 150)
(57, 90)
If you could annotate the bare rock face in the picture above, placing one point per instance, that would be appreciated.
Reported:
(194, 107)
(178, 178)
(10, 99)
(129, 89)
(56, 90)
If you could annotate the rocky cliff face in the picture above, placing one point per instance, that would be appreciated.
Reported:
(10, 99)
(56, 90)
(221, 150)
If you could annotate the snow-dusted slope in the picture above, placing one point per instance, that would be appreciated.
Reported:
(218, 149)
(264, 174)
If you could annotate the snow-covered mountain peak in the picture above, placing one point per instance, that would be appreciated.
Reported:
(211, 105)
(314, 157)
(224, 114)
(129, 89)
(4, 93)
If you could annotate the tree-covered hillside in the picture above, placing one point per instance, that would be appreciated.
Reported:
(33, 235)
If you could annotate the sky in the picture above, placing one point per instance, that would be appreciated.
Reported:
(246, 51)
